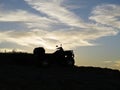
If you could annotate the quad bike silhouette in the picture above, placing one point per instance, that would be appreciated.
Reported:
(58, 58)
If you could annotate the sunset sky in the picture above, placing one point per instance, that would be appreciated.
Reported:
(89, 27)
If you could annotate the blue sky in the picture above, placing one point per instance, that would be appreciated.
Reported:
(90, 27)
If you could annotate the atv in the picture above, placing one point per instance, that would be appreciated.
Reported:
(60, 57)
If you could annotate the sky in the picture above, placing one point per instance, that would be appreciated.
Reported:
(89, 27)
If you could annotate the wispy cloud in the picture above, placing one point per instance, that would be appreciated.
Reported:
(59, 25)
(53, 9)
(22, 16)
(107, 15)
(114, 64)
(117, 64)
(42, 38)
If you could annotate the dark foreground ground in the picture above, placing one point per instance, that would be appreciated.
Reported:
(17, 77)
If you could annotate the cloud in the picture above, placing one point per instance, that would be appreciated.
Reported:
(24, 19)
(49, 39)
(107, 14)
(59, 25)
(53, 9)
(108, 62)
(117, 64)
(21, 15)
(114, 64)
(10, 50)
(42, 38)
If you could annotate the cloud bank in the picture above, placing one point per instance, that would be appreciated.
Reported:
(59, 25)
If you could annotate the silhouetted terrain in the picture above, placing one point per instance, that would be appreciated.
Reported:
(23, 76)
